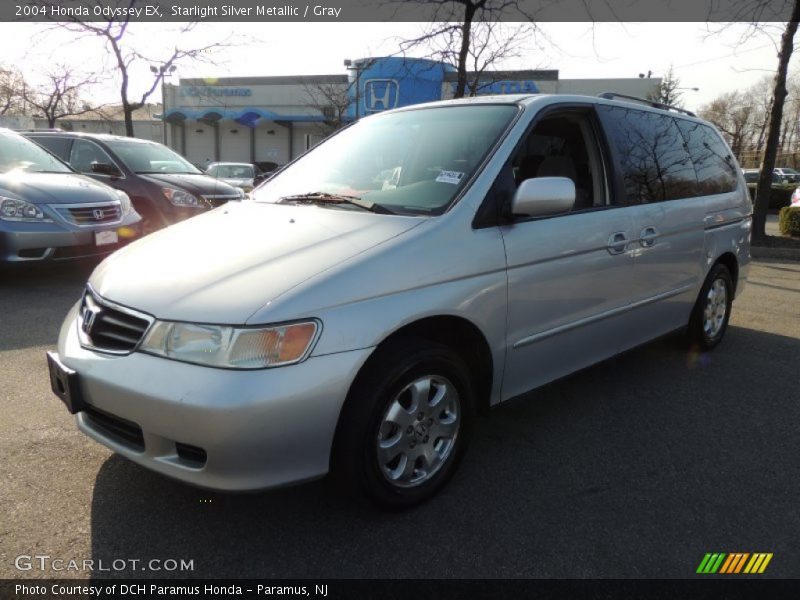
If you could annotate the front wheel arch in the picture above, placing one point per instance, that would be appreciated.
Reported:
(393, 364)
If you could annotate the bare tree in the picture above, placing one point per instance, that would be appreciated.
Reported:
(791, 118)
(332, 100)
(734, 116)
(758, 13)
(774, 128)
(667, 91)
(468, 35)
(491, 43)
(12, 92)
(743, 115)
(59, 96)
(115, 36)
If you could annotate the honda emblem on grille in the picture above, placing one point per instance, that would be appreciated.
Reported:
(89, 316)
(98, 213)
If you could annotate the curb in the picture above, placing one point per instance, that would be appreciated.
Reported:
(763, 252)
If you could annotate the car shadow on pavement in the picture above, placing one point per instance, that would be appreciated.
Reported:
(632, 468)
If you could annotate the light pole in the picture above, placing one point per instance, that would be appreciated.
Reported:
(165, 72)
(353, 65)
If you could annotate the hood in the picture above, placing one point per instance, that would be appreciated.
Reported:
(198, 184)
(224, 265)
(54, 188)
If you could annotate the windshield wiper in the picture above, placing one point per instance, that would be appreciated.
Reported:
(324, 197)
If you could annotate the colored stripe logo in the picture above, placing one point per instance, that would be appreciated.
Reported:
(733, 563)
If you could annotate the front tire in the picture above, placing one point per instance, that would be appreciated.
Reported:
(405, 425)
(712, 311)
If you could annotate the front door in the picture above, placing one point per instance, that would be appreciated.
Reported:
(570, 275)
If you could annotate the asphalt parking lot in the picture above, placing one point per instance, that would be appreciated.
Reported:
(633, 468)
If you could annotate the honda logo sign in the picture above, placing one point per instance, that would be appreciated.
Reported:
(381, 94)
(98, 214)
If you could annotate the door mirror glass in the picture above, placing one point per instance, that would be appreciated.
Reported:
(544, 196)
(105, 169)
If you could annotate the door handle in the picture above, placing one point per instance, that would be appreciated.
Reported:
(647, 238)
(617, 242)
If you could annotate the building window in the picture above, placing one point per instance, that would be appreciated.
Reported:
(307, 141)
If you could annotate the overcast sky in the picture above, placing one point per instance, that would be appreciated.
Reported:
(714, 63)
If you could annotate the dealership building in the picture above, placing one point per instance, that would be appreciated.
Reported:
(275, 119)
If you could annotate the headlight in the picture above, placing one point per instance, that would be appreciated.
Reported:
(19, 210)
(232, 347)
(125, 203)
(180, 197)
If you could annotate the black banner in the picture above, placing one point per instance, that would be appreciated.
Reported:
(393, 10)
(410, 589)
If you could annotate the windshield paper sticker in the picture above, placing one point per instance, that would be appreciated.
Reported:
(453, 177)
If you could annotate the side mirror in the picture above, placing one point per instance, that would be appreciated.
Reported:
(544, 196)
(105, 169)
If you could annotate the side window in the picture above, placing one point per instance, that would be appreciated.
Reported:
(564, 146)
(716, 169)
(57, 145)
(84, 153)
(652, 155)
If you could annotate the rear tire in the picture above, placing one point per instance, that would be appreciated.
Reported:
(712, 311)
(405, 425)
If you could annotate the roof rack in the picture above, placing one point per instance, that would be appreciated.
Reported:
(35, 130)
(612, 95)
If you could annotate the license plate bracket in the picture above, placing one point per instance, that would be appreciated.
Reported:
(64, 383)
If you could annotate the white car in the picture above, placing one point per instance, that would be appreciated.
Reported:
(787, 174)
(241, 175)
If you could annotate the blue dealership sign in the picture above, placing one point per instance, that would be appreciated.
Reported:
(391, 82)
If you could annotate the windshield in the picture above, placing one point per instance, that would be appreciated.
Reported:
(410, 162)
(20, 154)
(231, 171)
(149, 157)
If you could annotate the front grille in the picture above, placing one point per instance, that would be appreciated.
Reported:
(92, 214)
(110, 328)
(116, 427)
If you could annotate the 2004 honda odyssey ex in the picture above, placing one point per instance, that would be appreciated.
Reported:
(419, 265)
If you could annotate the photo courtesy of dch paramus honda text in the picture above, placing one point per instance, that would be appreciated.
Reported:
(413, 270)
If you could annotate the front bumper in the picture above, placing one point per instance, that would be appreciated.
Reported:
(44, 242)
(257, 429)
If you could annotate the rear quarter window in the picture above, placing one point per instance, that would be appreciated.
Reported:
(651, 154)
(713, 161)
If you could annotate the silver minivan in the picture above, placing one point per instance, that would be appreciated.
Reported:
(416, 268)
